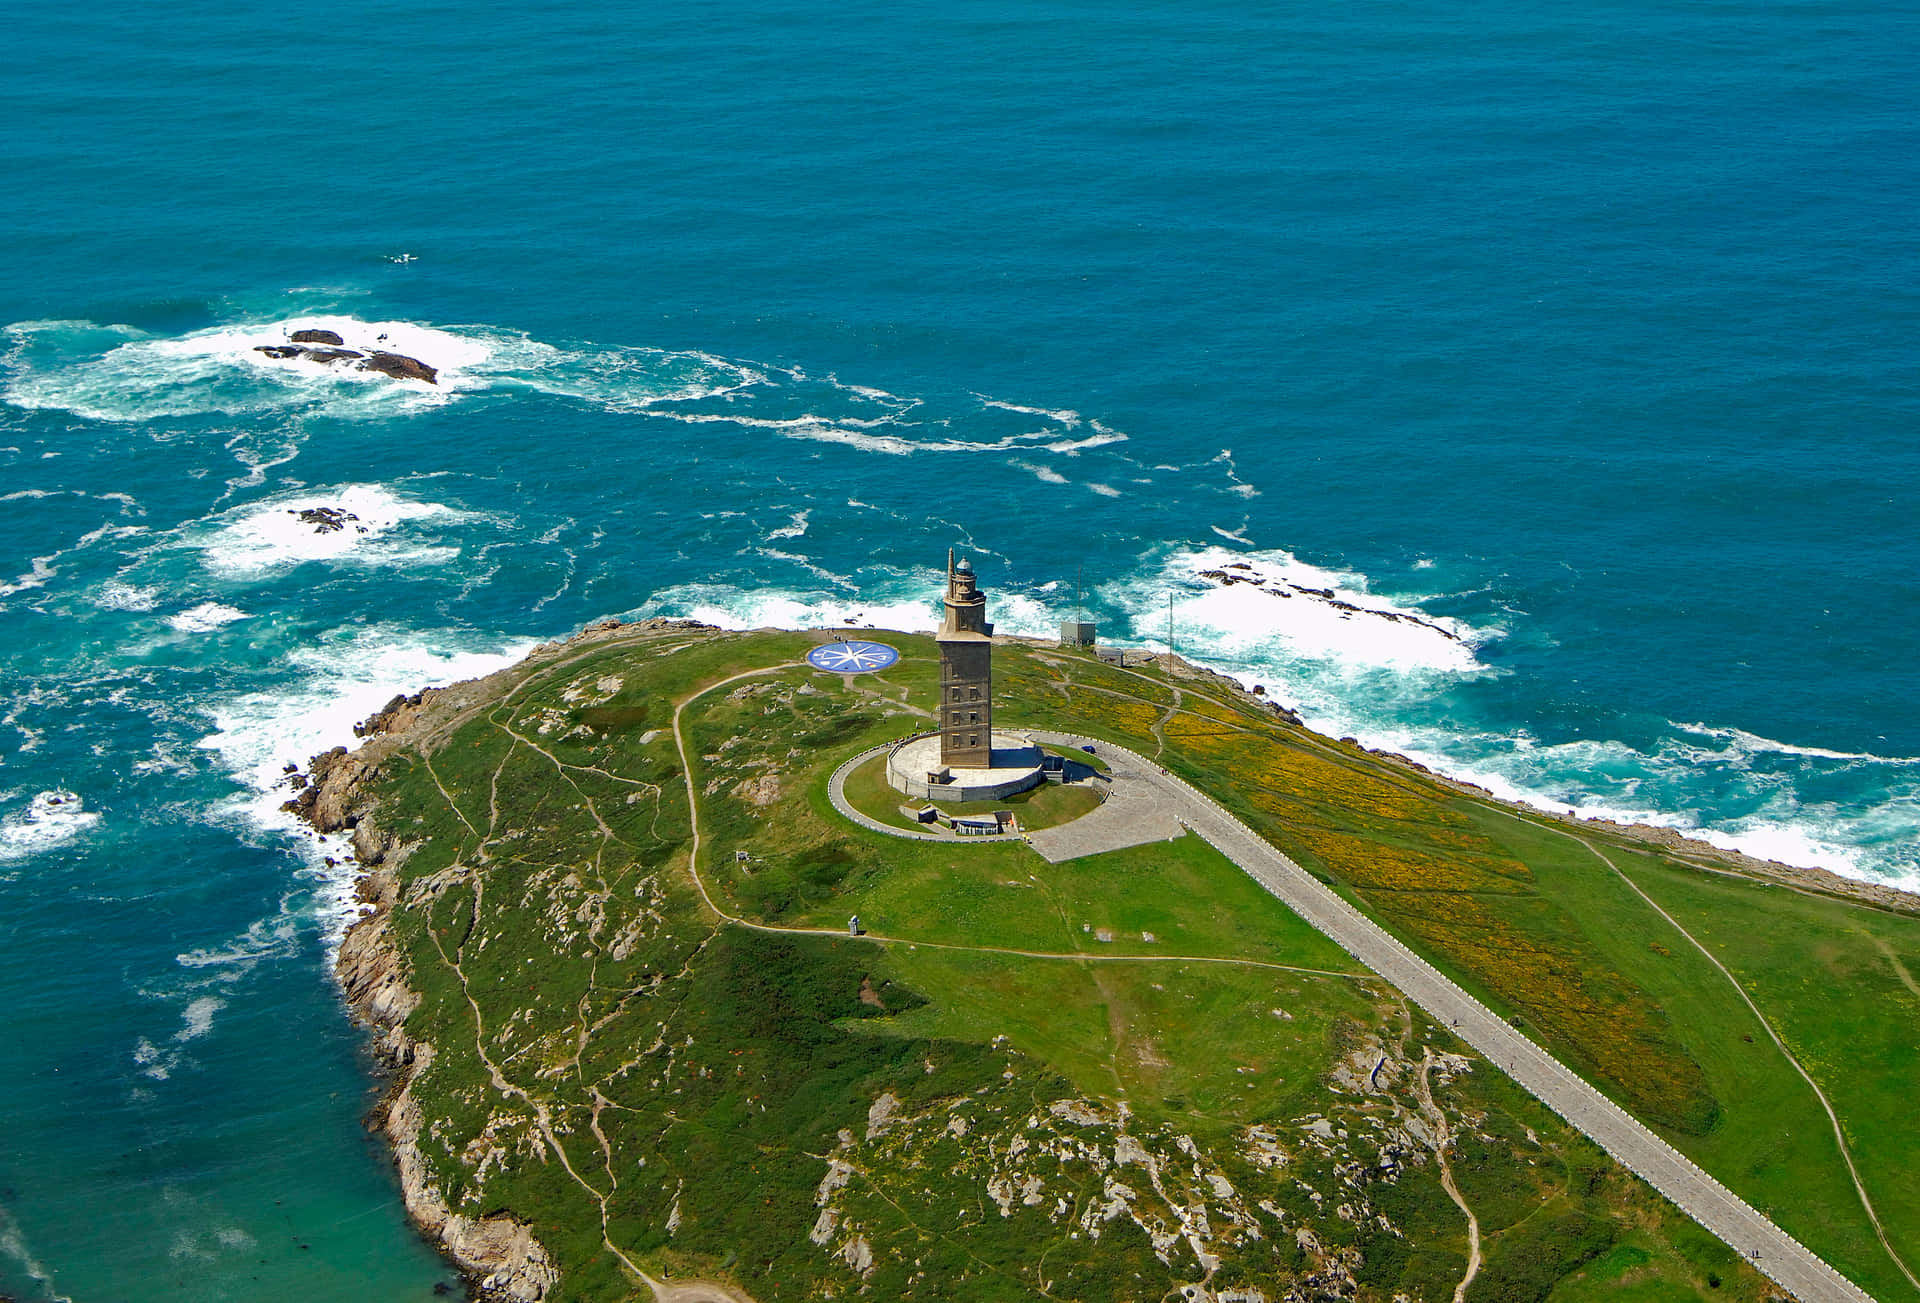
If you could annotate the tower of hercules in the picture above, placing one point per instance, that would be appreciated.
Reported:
(966, 672)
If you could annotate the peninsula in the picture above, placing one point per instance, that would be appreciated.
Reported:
(687, 998)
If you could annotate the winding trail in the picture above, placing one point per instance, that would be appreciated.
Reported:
(1442, 1142)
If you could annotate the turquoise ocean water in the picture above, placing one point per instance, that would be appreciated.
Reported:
(1587, 338)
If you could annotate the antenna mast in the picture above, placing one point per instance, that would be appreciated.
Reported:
(1169, 634)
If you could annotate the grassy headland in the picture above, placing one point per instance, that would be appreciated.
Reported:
(997, 1102)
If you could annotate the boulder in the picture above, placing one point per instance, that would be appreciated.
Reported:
(400, 367)
(316, 337)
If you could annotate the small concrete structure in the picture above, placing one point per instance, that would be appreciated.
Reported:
(1016, 764)
(1078, 633)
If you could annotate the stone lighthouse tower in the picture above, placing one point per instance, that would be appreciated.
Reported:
(966, 672)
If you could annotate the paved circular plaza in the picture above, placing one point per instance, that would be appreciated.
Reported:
(1016, 767)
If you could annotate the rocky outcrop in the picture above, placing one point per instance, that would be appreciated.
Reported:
(331, 799)
(327, 352)
(326, 520)
(400, 367)
(316, 337)
(398, 715)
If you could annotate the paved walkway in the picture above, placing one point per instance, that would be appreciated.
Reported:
(1132, 814)
(1699, 1195)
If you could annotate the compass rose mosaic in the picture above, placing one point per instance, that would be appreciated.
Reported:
(852, 657)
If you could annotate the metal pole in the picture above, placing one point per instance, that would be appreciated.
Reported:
(1169, 635)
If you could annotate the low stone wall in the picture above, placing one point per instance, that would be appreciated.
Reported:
(908, 763)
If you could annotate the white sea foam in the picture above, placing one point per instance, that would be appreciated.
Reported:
(269, 535)
(152, 1061)
(266, 938)
(52, 819)
(1045, 474)
(13, 1243)
(1104, 490)
(197, 1020)
(337, 682)
(1065, 416)
(1280, 608)
(728, 607)
(204, 618)
(114, 595)
(619, 378)
(1075, 446)
(887, 433)
(122, 375)
(35, 578)
(794, 528)
(1740, 743)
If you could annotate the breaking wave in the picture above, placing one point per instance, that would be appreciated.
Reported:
(369, 524)
(117, 373)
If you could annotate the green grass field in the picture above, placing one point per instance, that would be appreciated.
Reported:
(699, 1074)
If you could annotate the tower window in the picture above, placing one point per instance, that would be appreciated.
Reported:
(974, 741)
(973, 694)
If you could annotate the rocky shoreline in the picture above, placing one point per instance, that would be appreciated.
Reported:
(499, 1256)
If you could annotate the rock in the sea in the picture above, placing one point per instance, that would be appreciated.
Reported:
(325, 520)
(316, 337)
(400, 367)
(288, 352)
(397, 365)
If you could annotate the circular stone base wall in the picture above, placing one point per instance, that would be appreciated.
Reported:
(1016, 767)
